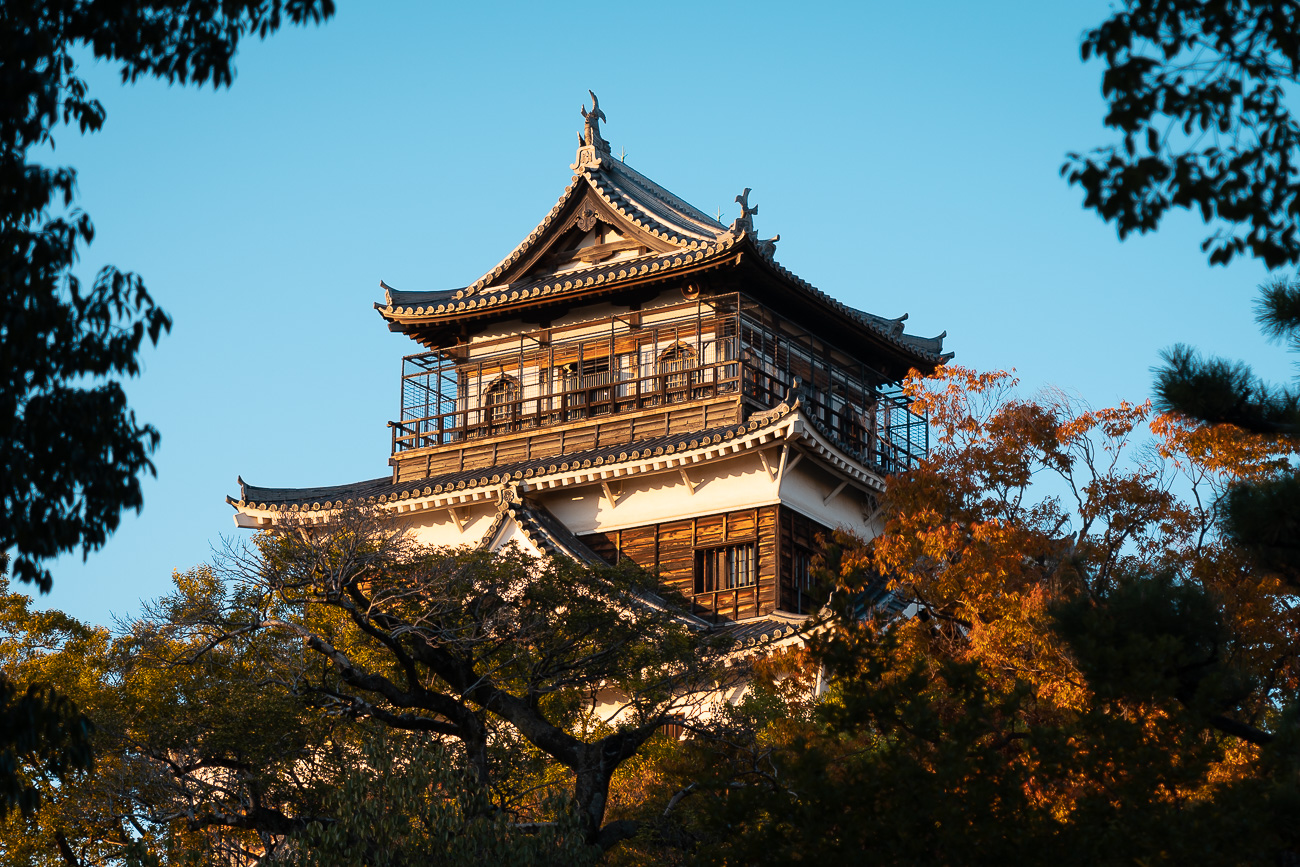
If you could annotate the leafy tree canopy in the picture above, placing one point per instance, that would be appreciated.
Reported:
(344, 696)
(72, 449)
(1092, 674)
(1200, 91)
(1197, 88)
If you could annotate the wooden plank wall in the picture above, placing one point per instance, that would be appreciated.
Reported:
(610, 430)
(795, 530)
(670, 548)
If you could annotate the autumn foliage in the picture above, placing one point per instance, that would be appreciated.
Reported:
(1091, 674)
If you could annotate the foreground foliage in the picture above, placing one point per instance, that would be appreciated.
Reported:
(348, 697)
(1090, 672)
(71, 450)
(1093, 675)
(1198, 90)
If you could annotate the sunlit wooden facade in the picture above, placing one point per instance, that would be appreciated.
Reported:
(637, 380)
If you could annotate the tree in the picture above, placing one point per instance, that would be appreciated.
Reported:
(287, 705)
(44, 738)
(73, 450)
(210, 755)
(412, 802)
(575, 668)
(43, 735)
(1199, 92)
(1091, 674)
(1262, 515)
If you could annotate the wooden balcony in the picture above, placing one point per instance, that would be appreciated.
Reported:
(638, 381)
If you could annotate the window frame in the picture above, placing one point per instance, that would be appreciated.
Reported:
(678, 369)
(501, 401)
(736, 561)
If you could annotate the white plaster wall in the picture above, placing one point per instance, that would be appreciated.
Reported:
(739, 482)
(805, 487)
(511, 534)
(436, 527)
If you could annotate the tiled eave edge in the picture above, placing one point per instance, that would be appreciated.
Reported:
(811, 438)
(850, 313)
(525, 245)
(512, 506)
(569, 283)
(618, 275)
(626, 206)
(784, 424)
(536, 533)
(634, 461)
(767, 632)
(666, 197)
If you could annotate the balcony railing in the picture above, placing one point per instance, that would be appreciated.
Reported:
(447, 400)
(583, 397)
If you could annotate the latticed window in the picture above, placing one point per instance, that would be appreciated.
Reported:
(678, 371)
(725, 568)
(802, 568)
(502, 400)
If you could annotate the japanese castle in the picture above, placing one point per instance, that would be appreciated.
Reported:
(638, 381)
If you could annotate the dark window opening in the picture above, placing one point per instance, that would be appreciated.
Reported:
(724, 568)
(587, 386)
(678, 373)
(801, 576)
(674, 728)
(502, 401)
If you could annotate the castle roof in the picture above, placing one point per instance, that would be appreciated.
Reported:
(614, 231)
(381, 491)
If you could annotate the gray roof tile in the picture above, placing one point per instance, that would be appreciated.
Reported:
(383, 490)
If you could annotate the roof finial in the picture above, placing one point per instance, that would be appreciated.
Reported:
(745, 222)
(591, 126)
(591, 144)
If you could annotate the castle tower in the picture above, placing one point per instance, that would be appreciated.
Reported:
(637, 381)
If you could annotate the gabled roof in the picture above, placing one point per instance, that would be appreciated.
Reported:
(787, 422)
(628, 193)
(606, 190)
(662, 236)
(549, 534)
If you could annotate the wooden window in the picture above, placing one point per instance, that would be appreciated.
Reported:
(502, 400)
(675, 727)
(587, 385)
(728, 350)
(626, 375)
(802, 578)
(803, 568)
(678, 373)
(725, 568)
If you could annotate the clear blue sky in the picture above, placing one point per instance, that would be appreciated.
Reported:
(907, 153)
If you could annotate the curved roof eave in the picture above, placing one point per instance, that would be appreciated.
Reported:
(650, 208)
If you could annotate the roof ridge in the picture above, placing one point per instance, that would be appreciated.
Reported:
(576, 279)
(871, 320)
(646, 219)
(591, 174)
(664, 195)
